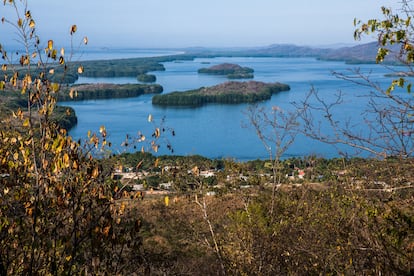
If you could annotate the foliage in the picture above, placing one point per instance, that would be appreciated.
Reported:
(395, 34)
(388, 127)
(58, 213)
(332, 229)
(395, 29)
(62, 213)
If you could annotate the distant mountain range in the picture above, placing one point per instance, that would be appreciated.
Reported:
(363, 53)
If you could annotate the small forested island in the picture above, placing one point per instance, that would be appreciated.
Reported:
(107, 91)
(147, 78)
(231, 92)
(232, 71)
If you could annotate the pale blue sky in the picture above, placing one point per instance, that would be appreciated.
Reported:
(217, 23)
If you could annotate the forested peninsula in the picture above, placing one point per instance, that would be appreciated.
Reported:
(231, 92)
(107, 91)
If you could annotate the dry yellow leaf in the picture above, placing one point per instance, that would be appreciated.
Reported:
(66, 160)
(32, 24)
(80, 69)
(105, 231)
(95, 172)
(50, 45)
(45, 163)
(26, 123)
(55, 87)
(157, 133)
(54, 54)
(73, 29)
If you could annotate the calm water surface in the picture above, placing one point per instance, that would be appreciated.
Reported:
(221, 131)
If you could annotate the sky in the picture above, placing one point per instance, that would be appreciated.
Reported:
(195, 23)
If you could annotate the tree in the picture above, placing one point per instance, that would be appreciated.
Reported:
(394, 34)
(57, 209)
(277, 131)
(389, 126)
(279, 232)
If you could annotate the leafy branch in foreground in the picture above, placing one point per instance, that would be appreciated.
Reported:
(388, 127)
(57, 209)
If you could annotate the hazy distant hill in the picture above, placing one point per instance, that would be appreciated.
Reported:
(362, 53)
(288, 50)
(359, 53)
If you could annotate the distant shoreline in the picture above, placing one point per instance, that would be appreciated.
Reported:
(354, 54)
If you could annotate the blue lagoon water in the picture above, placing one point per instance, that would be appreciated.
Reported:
(222, 131)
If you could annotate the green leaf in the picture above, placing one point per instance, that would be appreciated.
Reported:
(382, 53)
(400, 35)
(401, 82)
